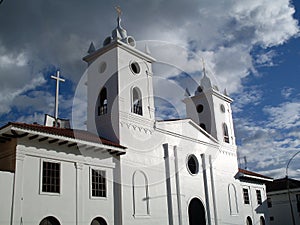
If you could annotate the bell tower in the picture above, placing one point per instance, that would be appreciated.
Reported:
(119, 85)
(211, 109)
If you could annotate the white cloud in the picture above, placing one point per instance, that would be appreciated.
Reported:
(266, 59)
(248, 96)
(284, 116)
(8, 95)
(10, 60)
(273, 22)
(33, 118)
(267, 150)
(270, 144)
(286, 92)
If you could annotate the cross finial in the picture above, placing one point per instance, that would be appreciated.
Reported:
(58, 79)
(119, 11)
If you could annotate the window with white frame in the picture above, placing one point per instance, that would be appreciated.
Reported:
(98, 183)
(246, 196)
(50, 177)
(225, 133)
(137, 105)
(258, 196)
(102, 108)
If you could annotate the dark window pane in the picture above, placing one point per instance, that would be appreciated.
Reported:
(51, 177)
(98, 183)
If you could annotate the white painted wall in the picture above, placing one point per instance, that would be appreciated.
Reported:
(280, 210)
(74, 204)
(6, 195)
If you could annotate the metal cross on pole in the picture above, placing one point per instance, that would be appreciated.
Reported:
(58, 79)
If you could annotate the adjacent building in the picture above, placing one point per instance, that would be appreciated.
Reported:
(284, 201)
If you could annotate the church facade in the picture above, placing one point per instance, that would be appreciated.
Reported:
(173, 172)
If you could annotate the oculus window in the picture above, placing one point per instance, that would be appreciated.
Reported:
(199, 108)
(192, 164)
(135, 68)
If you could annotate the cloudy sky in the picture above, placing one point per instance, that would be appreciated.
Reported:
(250, 47)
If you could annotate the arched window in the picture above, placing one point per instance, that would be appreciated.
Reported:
(102, 108)
(233, 205)
(225, 133)
(196, 212)
(50, 220)
(98, 221)
(262, 221)
(249, 221)
(137, 105)
(140, 194)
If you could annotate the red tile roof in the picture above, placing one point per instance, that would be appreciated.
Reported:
(69, 133)
(250, 173)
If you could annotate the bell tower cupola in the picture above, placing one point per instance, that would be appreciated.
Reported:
(119, 86)
(211, 110)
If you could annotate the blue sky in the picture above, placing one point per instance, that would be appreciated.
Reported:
(251, 48)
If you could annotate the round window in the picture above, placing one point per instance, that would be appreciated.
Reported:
(200, 108)
(135, 67)
(199, 89)
(222, 107)
(102, 67)
(192, 164)
(202, 125)
(131, 41)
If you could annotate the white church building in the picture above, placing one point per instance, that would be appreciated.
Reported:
(128, 168)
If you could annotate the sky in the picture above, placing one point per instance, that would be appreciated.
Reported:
(250, 47)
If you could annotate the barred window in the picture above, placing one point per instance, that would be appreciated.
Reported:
(137, 106)
(258, 196)
(102, 108)
(51, 177)
(246, 196)
(98, 183)
(225, 133)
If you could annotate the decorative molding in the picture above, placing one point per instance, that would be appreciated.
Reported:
(78, 166)
(66, 157)
(20, 153)
(137, 128)
(136, 119)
